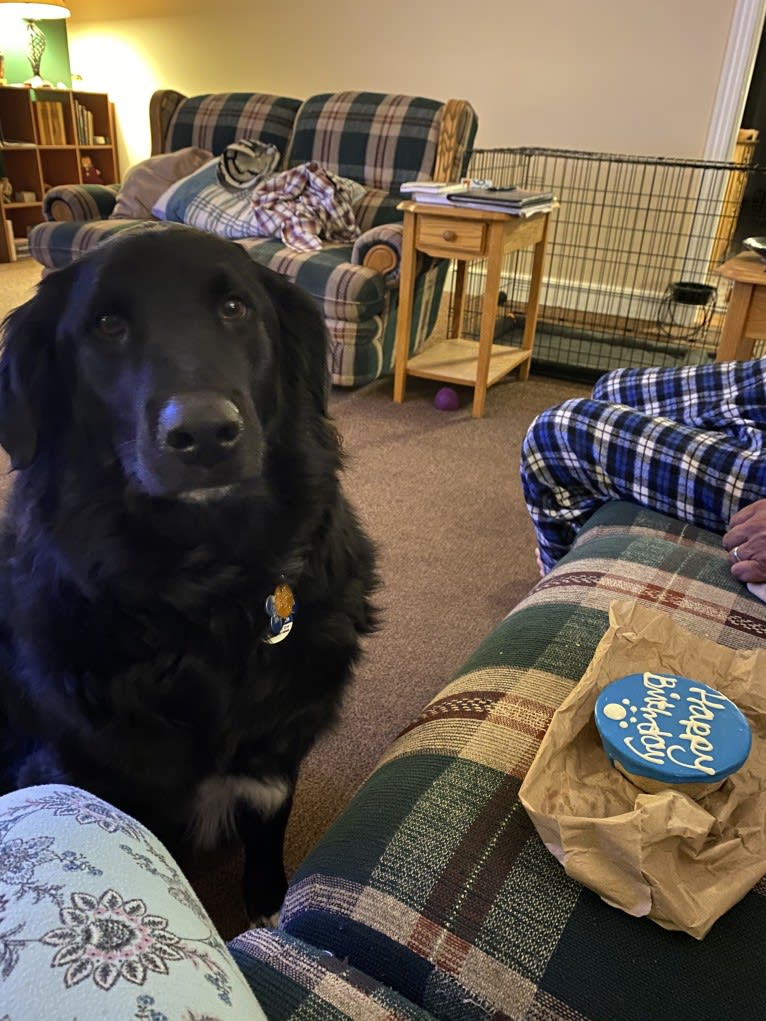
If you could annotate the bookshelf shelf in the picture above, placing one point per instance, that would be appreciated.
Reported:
(45, 135)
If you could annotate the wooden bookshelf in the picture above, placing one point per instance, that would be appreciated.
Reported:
(45, 136)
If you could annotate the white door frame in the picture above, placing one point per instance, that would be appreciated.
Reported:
(739, 58)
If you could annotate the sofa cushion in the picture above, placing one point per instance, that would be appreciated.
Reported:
(434, 879)
(214, 120)
(297, 981)
(379, 139)
(147, 180)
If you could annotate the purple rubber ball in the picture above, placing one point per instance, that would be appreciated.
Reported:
(446, 399)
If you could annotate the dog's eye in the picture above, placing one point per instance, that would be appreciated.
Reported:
(233, 308)
(112, 326)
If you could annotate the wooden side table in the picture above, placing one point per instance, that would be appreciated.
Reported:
(466, 235)
(745, 320)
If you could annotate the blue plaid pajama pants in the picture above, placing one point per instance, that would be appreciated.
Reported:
(688, 442)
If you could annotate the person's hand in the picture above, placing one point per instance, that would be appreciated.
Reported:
(745, 542)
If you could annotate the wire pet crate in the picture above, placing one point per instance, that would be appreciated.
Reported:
(629, 277)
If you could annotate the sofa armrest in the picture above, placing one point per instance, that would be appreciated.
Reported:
(380, 248)
(75, 202)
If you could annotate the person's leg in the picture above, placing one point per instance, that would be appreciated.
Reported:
(99, 922)
(729, 397)
(582, 453)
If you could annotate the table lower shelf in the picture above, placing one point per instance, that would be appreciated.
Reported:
(456, 360)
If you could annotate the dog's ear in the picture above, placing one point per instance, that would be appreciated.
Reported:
(26, 365)
(304, 341)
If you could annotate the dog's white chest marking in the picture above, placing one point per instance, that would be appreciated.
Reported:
(213, 813)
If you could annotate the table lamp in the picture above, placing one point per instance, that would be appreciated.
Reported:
(35, 37)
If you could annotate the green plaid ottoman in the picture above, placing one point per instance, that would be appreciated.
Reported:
(433, 882)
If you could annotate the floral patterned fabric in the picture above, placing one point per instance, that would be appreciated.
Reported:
(97, 920)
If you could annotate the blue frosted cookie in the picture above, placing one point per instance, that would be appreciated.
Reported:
(664, 731)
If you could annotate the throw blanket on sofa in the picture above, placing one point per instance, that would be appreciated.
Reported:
(305, 205)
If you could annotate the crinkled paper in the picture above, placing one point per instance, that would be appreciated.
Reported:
(682, 863)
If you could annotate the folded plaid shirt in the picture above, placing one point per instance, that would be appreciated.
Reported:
(304, 206)
(687, 442)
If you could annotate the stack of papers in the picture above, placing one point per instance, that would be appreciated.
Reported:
(473, 194)
(432, 191)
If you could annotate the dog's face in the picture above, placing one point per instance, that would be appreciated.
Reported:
(176, 344)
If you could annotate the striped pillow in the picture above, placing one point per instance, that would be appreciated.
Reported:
(200, 201)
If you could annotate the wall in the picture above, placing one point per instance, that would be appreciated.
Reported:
(606, 75)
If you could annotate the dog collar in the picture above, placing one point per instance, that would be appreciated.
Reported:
(280, 608)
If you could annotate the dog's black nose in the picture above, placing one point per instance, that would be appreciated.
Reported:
(200, 428)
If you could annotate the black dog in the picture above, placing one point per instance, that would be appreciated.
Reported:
(183, 585)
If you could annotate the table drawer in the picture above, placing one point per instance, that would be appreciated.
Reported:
(443, 235)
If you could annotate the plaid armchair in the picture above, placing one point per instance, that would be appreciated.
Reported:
(378, 140)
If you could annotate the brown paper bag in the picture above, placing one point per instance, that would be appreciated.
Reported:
(681, 862)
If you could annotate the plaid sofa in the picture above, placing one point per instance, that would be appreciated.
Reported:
(432, 896)
(376, 139)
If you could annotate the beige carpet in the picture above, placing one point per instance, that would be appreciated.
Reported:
(439, 492)
(17, 283)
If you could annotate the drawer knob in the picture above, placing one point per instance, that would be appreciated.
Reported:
(449, 235)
